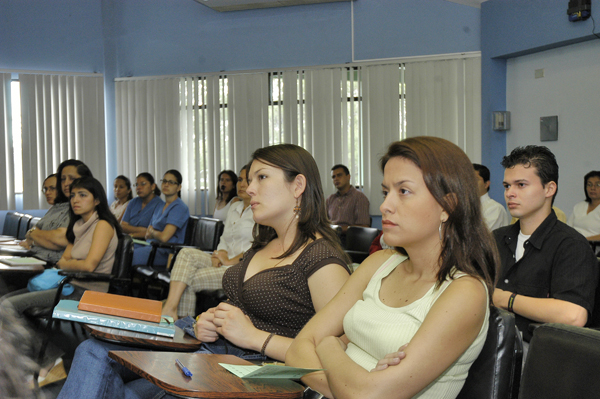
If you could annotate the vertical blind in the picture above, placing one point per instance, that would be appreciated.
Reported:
(349, 114)
(62, 117)
(7, 186)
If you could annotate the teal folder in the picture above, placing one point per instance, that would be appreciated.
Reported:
(67, 310)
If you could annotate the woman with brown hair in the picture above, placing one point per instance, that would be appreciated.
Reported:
(430, 295)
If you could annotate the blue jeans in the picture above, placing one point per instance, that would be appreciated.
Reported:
(94, 375)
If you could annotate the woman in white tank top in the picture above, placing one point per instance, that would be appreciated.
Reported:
(411, 320)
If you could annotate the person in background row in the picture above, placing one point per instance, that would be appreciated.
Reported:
(493, 213)
(226, 194)
(586, 214)
(195, 270)
(428, 297)
(348, 206)
(47, 240)
(140, 210)
(123, 195)
(168, 223)
(49, 189)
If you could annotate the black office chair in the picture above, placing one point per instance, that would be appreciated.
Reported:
(496, 372)
(206, 238)
(24, 226)
(11, 224)
(563, 362)
(358, 242)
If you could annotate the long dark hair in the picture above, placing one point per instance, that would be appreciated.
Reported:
(466, 244)
(178, 176)
(150, 178)
(95, 188)
(233, 192)
(593, 173)
(312, 218)
(127, 184)
(82, 171)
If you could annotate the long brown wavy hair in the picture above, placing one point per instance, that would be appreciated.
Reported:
(467, 244)
(312, 219)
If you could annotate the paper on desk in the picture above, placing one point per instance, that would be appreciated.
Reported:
(268, 371)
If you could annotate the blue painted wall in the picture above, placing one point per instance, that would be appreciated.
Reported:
(511, 28)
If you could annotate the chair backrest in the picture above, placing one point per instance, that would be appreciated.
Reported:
(122, 270)
(497, 369)
(190, 230)
(563, 362)
(207, 234)
(594, 320)
(24, 226)
(11, 224)
(360, 238)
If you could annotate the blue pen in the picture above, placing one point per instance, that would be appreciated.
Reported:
(184, 369)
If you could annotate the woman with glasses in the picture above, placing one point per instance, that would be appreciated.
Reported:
(49, 189)
(586, 214)
(140, 210)
(122, 189)
(168, 223)
(47, 240)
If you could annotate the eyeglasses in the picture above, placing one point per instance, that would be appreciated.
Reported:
(46, 189)
(590, 185)
(169, 182)
(142, 184)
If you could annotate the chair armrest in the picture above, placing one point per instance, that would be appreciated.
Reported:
(86, 276)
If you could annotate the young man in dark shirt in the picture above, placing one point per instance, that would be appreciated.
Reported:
(548, 270)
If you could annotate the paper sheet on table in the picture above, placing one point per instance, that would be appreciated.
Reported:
(268, 371)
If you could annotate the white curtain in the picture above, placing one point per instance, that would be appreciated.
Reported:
(347, 114)
(383, 123)
(62, 117)
(443, 99)
(7, 186)
(148, 129)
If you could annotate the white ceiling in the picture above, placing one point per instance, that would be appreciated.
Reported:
(235, 5)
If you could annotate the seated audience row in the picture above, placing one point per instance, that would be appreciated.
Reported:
(444, 255)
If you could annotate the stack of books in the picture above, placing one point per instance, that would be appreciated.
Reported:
(116, 311)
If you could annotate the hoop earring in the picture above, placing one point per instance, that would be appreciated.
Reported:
(297, 209)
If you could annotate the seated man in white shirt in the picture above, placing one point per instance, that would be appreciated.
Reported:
(494, 213)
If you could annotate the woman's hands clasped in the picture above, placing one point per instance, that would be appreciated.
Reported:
(226, 320)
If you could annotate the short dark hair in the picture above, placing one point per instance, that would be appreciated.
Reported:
(340, 166)
(538, 156)
(95, 188)
(82, 170)
(483, 171)
(593, 173)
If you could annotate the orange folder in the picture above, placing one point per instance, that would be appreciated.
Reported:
(119, 305)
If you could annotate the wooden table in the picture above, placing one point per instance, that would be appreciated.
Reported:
(180, 342)
(209, 380)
